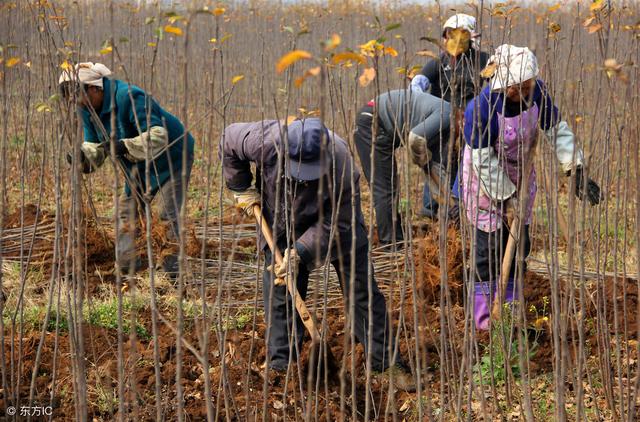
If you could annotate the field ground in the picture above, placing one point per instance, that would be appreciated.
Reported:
(94, 346)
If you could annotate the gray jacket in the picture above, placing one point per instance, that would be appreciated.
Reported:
(298, 205)
(402, 111)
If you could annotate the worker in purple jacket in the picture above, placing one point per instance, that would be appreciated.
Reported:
(309, 192)
(501, 127)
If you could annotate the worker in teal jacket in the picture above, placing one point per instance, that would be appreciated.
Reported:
(143, 131)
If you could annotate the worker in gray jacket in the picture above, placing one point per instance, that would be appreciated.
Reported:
(309, 193)
(404, 116)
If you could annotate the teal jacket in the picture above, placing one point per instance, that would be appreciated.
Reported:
(136, 112)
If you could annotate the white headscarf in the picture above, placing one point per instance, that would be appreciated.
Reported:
(87, 73)
(514, 65)
(419, 83)
(463, 21)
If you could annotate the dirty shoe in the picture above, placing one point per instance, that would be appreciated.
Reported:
(402, 378)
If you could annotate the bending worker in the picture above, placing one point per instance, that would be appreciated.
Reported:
(143, 131)
(500, 130)
(418, 118)
(304, 186)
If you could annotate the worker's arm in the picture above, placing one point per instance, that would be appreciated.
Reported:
(561, 137)
(428, 135)
(143, 113)
(432, 71)
(557, 131)
(92, 150)
(481, 133)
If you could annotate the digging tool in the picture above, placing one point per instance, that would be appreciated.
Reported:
(435, 188)
(301, 307)
(515, 230)
(509, 253)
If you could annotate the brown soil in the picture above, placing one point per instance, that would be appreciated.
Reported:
(236, 355)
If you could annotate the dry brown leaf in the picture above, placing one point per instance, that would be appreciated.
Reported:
(594, 28)
(427, 53)
(489, 70)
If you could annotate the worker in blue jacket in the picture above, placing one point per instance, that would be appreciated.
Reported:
(143, 131)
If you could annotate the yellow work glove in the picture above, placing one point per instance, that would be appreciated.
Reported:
(290, 260)
(246, 200)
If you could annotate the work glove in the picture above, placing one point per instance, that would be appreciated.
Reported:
(511, 208)
(420, 154)
(587, 185)
(245, 200)
(84, 162)
(120, 149)
(290, 261)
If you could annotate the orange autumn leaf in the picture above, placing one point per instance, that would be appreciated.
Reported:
(596, 5)
(290, 58)
(314, 71)
(594, 28)
(458, 41)
(390, 51)
(12, 61)
(173, 30)
(65, 65)
(349, 56)
(367, 76)
(554, 7)
(489, 70)
(333, 42)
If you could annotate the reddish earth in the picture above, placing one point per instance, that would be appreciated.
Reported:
(235, 356)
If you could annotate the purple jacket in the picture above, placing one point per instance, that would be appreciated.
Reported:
(311, 210)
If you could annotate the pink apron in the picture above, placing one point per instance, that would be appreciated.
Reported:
(517, 134)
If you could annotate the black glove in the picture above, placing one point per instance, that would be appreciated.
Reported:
(84, 162)
(119, 147)
(587, 185)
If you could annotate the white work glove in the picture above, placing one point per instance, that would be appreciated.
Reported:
(290, 261)
(420, 154)
(245, 200)
(155, 140)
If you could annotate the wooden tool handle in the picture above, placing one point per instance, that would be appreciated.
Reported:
(301, 307)
(433, 181)
(515, 229)
(509, 253)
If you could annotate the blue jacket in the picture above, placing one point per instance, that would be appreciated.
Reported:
(132, 106)
(481, 127)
